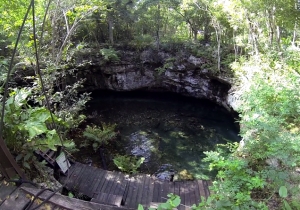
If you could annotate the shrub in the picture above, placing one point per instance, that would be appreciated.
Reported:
(99, 136)
(27, 128)
(128, 164)
(109, 55)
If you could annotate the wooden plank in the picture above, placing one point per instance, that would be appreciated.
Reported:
(120, 185)
(85, 175)
(16, 201)
(64, 179)
(77, 178)
(201, 189)
(206, 188)
(171, 187)
(156, 192)
(110, 179)
(182, 192)
(150, 192)
(141, 189)
(165, 191)
(187, 196)
(137, 181)
(197, 192)
(129, 191)
(193, 189)
(104, 182)
(145, 191)
(99, 174)
(5, 190)
(110, 199)
(100, 178)
(70, 184)
(69, 203)
(45, 206)
(88, 184)
(111, 189)
(177, 188)
(104, 196)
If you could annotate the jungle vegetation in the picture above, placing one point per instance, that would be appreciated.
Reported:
(261, 41)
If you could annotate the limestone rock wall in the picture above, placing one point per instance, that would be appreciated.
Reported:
(152, 70)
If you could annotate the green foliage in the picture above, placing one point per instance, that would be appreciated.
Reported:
(3, 68)
(128, 164)
(27, 128)
(67, 103)
(168, 65)
(263, 167)
(109, 55)
(172, 203)
(99, 136)
(141, 42)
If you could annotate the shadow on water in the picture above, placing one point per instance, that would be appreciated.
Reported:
(169, 130)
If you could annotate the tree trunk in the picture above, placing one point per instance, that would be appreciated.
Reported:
(110, 29)
(158, 27)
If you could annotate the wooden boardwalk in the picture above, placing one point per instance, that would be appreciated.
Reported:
(117, 189)
(19, 198)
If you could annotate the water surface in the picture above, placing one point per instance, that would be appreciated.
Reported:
(169, 130)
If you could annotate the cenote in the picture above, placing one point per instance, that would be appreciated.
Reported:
(171, 131)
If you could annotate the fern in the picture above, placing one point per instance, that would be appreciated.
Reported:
(128, 164)
(99, 136)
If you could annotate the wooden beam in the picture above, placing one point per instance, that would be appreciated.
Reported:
(8, 165)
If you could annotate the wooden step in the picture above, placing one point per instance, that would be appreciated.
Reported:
(110, 199)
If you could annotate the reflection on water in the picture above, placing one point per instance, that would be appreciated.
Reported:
(170, 131)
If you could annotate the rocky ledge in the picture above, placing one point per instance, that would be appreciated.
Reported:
(150, 70)
(153, 70)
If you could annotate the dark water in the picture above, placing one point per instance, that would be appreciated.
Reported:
(169, 130)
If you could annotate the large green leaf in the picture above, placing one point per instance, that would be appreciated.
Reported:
(283, 192)
(35, 128)
(40, 114)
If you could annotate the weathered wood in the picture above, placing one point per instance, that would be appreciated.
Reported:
(102, 182)
(192, 195)
(177, 188)
(137, 190)
(206, 188)
(165, 190)
(45, 206)
(16, 201)
(129, 191)
(116, 189)
(197, 193)
(201, 189)
(84, 179)
(140, 190)
(135, 184)
(69, 203)
(105, 195)
(182, 192)
(70, 183)
(8, 166)
(110, 199)
(150, 191)
(5, 190)
(89, 182)
(78, 179)
(98, 179)
(145, 191)
(110, 179)
(189, 190)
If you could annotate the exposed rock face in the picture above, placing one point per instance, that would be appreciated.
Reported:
(150, 70)
(159, 71)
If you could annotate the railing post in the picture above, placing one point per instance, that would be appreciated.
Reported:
(8, 165)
